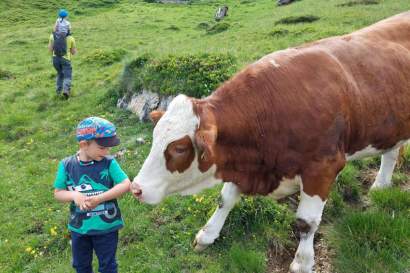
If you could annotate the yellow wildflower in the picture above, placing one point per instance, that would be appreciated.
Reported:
(53, 232)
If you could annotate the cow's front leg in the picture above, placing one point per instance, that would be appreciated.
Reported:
(229, 196)
(308, 215)
(315, 187)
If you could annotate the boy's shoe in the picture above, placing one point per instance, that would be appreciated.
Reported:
(58, 91)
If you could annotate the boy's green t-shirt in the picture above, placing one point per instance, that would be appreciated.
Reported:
(91, 178)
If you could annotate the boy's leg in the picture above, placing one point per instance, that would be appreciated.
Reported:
(105, 247)
(67, 72)
(82, 248)
(59, 78)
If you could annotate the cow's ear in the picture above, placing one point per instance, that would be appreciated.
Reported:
(155, 116)
(205, 140)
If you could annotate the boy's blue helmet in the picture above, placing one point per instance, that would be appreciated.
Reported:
(98, 129)
(62, 13)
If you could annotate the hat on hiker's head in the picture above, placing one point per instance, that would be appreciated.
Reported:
(62, 13)
(98, 129)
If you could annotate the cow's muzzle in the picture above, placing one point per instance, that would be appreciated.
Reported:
(136, 190)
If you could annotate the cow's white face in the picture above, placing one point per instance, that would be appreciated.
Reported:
(172, 164)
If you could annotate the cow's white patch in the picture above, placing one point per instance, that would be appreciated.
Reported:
(310, 210)
(229, 197)
(287, 187)
(154, 179)
(371, 151)
(274, 63)
(207, 180)
(368, 151)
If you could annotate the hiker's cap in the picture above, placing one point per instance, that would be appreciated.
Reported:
(62, 13)
(99, 129)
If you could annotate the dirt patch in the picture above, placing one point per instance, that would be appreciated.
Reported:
(279, 259)
(323, 256)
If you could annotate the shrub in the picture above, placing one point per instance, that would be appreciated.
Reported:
(217, 28)
(5, 75)
(297, 19)
(279, 32)
(105, 57)
(202, 25)
(358, 2)
(172, 27)
(98, 3)
(193, 75)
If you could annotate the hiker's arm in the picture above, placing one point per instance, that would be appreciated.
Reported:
(73, 50)
(50, 46)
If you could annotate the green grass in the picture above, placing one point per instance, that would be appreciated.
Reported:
(374, 242)
(37, 130)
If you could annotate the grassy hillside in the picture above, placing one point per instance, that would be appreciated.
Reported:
(37, 130)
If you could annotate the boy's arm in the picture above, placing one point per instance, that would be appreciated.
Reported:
(113, 193)
(68, 196)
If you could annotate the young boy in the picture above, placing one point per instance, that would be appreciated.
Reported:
(91, 180)
(62, 25)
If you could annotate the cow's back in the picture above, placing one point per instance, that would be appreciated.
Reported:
(338, 94)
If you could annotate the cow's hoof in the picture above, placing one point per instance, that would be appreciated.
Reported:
(296, 267)
(198, 247)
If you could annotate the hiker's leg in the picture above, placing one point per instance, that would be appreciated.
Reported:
(59, 78)
(67, 71)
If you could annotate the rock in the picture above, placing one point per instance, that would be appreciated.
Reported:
(120, 154)
(221, 13)
(143, 103)
(140, 140)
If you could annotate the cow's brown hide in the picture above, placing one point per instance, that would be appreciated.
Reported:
(299, 111)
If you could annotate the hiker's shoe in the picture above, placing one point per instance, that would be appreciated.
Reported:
(58, 91)
(65, 95)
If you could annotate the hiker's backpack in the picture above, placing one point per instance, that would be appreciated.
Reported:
(60, 44)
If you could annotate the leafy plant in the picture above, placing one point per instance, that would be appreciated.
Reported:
(193, 75)
(217, 28)
(105, 57)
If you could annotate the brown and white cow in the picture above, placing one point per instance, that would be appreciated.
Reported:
(285, 123)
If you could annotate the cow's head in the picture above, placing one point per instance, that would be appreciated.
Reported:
(181, 159)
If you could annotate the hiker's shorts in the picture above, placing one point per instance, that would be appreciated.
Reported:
(64, 72)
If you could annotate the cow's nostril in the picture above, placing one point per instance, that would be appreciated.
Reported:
(136, 190)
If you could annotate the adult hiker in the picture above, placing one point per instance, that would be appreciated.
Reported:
(62, 45)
